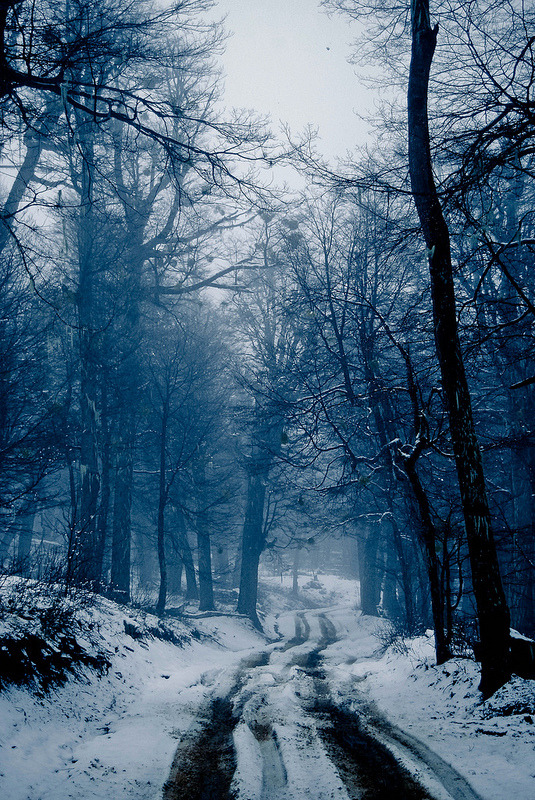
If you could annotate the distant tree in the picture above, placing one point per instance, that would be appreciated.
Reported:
(186, 386)
(29, 402)
(266, 342)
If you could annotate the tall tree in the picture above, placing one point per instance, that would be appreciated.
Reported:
(493, 613)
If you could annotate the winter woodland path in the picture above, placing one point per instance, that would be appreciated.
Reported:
(272, 728)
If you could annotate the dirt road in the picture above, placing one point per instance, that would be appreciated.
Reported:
(274, 730)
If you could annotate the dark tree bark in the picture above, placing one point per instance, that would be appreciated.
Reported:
(24, 544)
(162, 502)
(204, 553)
(295, 571)
(185, 553)
(492, 610)
(122, 505)
(105, 488)
(87, 569)
(432, 563)
(34, 140)
(206, 590)
(368, 546)
(253, 541)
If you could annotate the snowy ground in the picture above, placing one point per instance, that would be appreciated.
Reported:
(115, 736)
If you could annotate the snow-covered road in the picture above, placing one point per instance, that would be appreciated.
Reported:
(274, 730)
(316, 709)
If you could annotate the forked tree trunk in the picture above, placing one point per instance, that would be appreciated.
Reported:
(492, 610)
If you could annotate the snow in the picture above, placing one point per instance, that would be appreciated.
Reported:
(115, 736)
(491, 743)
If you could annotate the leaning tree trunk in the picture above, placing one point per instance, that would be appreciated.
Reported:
(492, 610)
(34, 139)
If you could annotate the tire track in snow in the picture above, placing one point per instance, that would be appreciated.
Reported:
(278, 734)
(205, 762)
(274, 776)
(422, 757)
(369, 732)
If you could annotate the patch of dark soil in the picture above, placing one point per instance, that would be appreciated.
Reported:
(328, 632)
(260, 659)
(261, 732)
(44, 663)
(302, 632)
(368, 769)
(203, 768)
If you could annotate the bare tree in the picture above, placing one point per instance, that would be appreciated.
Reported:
(493, 614)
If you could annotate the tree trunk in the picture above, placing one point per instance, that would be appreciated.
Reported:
(24, 544)
(105, 490)
(162, 502)
(184, 550)
(492, 610)
(430, 539)
(176, 565)
(204, 557)
(295, 572)
(34, 138)
(368, 544)
(204, 553)
(86, 545)
(252, 546)
(122, 505)
(265, 445)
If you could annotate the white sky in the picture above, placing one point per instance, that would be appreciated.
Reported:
(288, 59)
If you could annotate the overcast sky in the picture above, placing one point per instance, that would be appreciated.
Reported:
(288, 59)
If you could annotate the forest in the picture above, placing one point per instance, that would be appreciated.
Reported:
(205, 373)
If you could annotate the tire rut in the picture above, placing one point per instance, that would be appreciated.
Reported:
(302, 632)
(457, 786)
(367, 767)
(205, 763)
(361, 745)
(274, 776)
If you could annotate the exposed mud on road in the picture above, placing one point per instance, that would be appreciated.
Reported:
(302, 632)
(203, 767)
(368, 769)
(283, 736)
